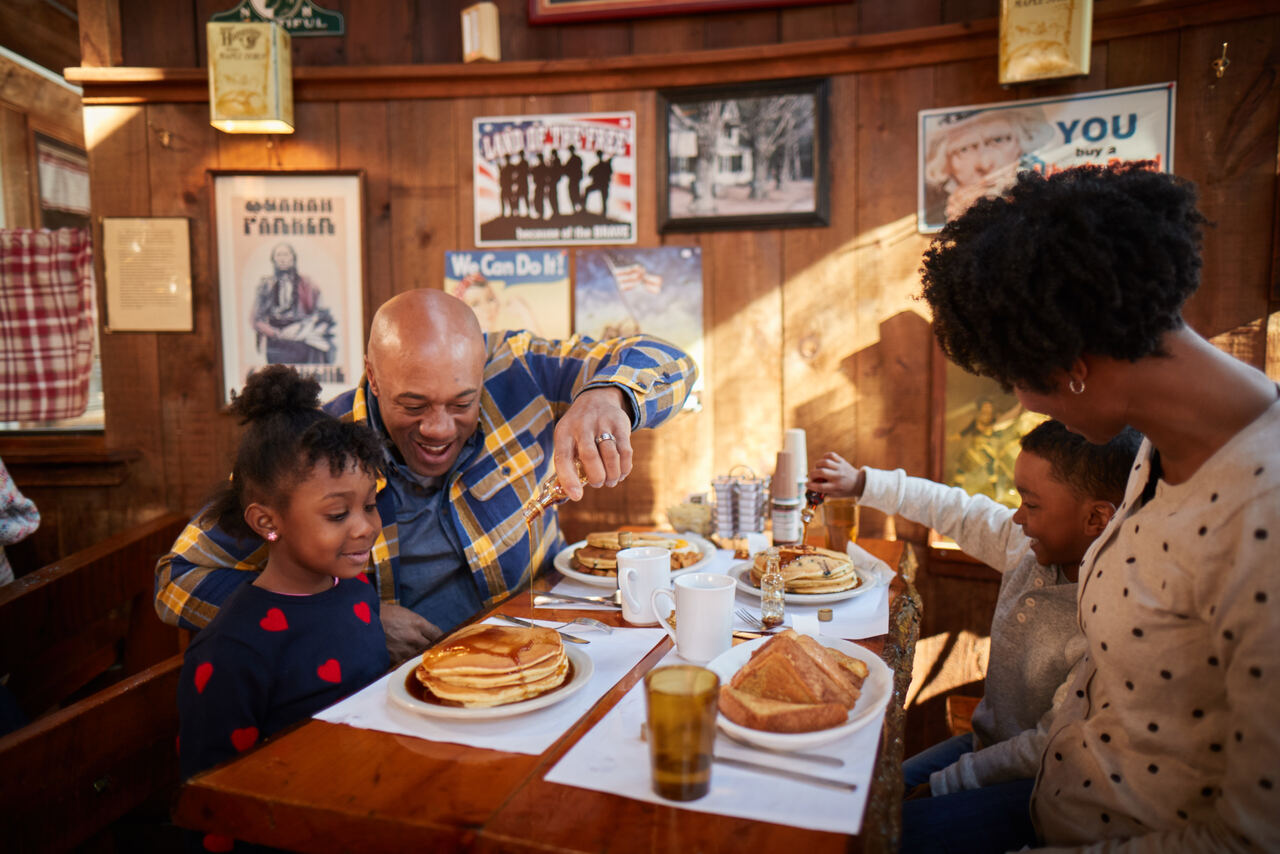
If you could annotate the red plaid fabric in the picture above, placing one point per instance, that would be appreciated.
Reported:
(46, 323)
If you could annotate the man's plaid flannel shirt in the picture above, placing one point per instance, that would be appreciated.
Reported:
(529, 383)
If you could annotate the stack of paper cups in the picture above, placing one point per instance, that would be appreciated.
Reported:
(794, 443)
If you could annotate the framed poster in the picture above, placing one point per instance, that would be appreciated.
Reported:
(626, 291)
(513, 289)
(62, 172)
(290, 254)
(977, 428)
(557, 179)
(745, 156)
(568, 11)
(968, 153)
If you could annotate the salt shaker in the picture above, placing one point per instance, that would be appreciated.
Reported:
(772, 592)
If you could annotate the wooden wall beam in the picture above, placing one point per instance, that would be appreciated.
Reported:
(100, 37)
(924, 46)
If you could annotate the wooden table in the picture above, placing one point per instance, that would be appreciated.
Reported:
(327, 787)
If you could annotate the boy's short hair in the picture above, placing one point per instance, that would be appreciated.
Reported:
(1090, 471)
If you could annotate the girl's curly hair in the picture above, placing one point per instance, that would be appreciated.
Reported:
(288, 435)
(1092, 259)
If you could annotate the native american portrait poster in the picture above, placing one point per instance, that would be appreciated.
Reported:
(290, 275)
(513, 288)
(619, 292)
(555, 179)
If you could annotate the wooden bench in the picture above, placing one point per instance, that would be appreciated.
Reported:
(70, 774)
(86, 620)
(96, 672)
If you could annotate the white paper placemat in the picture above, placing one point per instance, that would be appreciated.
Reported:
(611, 757)
(612, 655)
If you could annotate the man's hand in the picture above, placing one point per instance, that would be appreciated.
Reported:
(597, 411)
(408, 634)
(835, 476)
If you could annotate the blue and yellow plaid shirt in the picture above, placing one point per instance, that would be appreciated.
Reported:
(529, 383)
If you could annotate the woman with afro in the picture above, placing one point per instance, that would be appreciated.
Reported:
(1069, 289)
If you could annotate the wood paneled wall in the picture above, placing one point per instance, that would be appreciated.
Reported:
(817, 328)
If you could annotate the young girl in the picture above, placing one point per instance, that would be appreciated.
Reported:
(306, 631)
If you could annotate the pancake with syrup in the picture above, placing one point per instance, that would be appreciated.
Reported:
(486, 665)
(599, 555)
(809, 569)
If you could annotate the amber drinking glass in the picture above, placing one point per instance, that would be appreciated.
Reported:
(841, 518)
(681, 702)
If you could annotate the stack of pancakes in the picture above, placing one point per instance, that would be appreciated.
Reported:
(484, 665)
(792, 683)
(809, 569)
(600, 555)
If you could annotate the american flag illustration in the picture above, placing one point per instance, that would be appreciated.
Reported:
(635, 275)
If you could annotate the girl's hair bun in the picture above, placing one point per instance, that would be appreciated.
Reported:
(275, 390)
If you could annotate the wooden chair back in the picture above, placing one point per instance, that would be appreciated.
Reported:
(87, 620)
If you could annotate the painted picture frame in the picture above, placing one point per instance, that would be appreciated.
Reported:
(573, 11)
(289, 250)
(743, 156)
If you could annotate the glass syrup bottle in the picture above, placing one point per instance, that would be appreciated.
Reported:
(550, 493)
(812, 501)
(772, 593)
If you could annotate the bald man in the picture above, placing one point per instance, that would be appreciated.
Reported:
(472, 424)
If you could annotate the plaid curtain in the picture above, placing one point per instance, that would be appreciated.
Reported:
(46, 323)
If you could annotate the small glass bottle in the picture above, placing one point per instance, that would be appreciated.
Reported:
(772, 593)
(550, 493)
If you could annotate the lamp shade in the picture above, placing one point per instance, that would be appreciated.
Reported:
(250, 78)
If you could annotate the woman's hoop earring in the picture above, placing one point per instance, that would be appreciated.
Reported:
(1076, 386)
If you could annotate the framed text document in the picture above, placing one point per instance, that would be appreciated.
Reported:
(147, 263)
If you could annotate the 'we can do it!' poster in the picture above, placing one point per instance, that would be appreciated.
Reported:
(557, 179)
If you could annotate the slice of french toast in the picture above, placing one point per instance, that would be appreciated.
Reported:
(772, 715)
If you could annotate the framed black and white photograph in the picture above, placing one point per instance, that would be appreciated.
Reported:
(751, 155)
(290, 250)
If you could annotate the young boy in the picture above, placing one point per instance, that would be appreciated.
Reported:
(1069, 490)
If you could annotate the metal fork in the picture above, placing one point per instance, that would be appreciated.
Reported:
(589, 623)
(752, 620)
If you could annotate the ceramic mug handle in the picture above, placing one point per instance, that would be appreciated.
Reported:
(626, 583)
(658, 593)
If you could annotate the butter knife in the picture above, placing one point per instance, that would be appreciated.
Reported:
(528, 625)
(784, 772)
(748, 765)
(543, 598)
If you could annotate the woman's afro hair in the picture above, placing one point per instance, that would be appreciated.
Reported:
(1092, 260)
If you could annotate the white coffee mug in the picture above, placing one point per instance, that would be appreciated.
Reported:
(640, 572)
(703, 604)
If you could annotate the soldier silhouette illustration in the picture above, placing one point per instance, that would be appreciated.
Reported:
(505, 181)
(601, 175)
(572, 169)
(520, 185)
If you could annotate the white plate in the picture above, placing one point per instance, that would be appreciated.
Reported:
(740, 573)
(582, 670)
(611, 581)
(876, 690)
